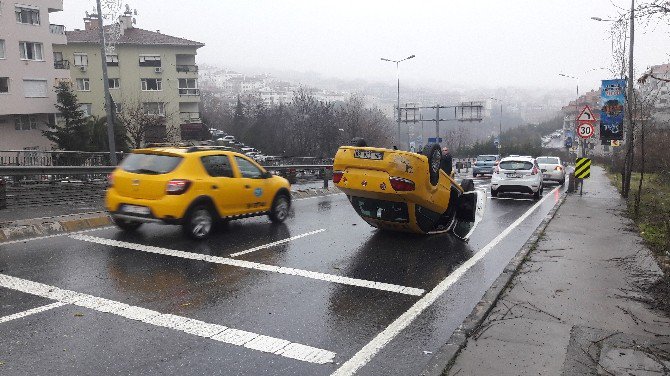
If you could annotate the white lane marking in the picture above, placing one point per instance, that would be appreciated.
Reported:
(365, 354)
(199, 328)
(313, 197)
(54, 235)
(254, 249)
(31, 311)
(254, 265)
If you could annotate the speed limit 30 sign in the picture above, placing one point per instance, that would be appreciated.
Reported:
(585, 130)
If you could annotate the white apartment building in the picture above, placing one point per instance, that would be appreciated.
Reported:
(657, 89)
(28, 73)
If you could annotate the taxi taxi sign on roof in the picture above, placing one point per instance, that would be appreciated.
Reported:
(586, 115)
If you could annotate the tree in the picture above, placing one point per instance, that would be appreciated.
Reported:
(141, 126)
(96, 132)
(71, 132)
(239, 119)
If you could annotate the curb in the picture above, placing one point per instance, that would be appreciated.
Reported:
(443, 359)
(29, 228)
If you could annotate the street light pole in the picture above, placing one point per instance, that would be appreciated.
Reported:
(582, 142)
(397, 70)
(629, 129)
(499, 125)
(105, 83)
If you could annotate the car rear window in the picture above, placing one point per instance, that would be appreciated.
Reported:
(486, 158)
(152, 164)
(548, 160)
(516, 165)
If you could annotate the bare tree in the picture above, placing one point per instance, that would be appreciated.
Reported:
(141, 124)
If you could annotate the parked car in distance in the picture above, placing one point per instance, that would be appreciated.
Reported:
(520, 174)
(485, 164)
(552, 169)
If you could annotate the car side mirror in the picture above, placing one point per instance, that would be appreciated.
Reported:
(267, 175)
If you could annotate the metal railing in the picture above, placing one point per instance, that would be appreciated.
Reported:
(190, 117)
(187, 68)
(61, 64)
(187, 91)
(69, 186)
(54, 158)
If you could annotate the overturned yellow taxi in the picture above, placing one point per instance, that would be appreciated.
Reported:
(406, 191)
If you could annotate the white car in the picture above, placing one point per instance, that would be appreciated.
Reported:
(517, 174)
(552, 169)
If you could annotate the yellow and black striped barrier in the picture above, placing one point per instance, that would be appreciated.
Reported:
(582, 168)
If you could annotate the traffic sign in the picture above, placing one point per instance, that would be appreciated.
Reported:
(615, 143)
(434, 140)
(582, 168)
(586, 115)
(585, 130)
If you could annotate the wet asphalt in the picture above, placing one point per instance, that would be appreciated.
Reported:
(332, 316)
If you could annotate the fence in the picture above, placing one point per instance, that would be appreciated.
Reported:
(54, 158)
(36, 186)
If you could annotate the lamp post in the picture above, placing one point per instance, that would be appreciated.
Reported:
(581, 142)
(105, 84)
(499, 125)
(397, 70)
(628, 163)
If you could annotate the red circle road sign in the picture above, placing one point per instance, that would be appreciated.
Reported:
(585, 130)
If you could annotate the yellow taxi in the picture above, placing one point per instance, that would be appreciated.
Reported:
(193, 187)
(406, 191)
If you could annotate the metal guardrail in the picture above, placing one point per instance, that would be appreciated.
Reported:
(37, 186)
(54, 158)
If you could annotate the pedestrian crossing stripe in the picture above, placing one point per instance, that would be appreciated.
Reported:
(582, 168)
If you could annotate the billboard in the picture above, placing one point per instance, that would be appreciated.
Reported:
(612, 99)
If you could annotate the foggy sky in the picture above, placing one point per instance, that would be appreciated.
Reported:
(476, 44)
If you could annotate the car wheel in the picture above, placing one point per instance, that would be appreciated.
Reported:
(198, 222)
(537, 194)
(125, 224)
(562, 182)
(434, 154)
(494, 192)
(280, 208)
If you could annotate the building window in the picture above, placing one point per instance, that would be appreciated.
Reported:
(80, 60)
(30, 51)
(35, 88)
(27, 15)
(112, 60)
(150, 60)
(152, 84)
(4, 85)
(188, 86)
(114, 83)
(154, 108)
(2, 48)
(25, 122)
(83, 84)
(85, 108)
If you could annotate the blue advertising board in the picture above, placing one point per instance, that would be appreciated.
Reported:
(433, 140)
(612, 99)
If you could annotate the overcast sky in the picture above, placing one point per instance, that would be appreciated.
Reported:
(486, 43)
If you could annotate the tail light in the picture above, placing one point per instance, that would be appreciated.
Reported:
(177, 186)
(400, 184)
(496, 170)
(337, 176)
(535, 171)
(558, 168)
(110, 179)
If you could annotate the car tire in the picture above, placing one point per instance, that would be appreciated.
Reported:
(562, 182)
(280, 208)
(434, 154)
(494, 192)
(537, 194)
(125, 224)
(198, 222)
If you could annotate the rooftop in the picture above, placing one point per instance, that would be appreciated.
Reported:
(131, 36)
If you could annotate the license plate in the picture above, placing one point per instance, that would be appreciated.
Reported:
(134, 209)
(367, 154)
(546, 175)
(513, 175)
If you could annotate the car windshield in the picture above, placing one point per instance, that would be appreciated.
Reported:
(486, 158)
(548, 160)
(516, 165)
(152, 164)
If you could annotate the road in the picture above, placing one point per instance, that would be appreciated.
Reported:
(322, 293)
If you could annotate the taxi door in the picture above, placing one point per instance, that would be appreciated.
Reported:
(255, 195)
(225, 188)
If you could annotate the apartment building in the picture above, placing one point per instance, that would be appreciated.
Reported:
(146, 69)
(28, 71)
(655, 87)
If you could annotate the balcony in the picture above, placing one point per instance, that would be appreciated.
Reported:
(190, 117)
(57, 29)
(189, 92)
(187, 68)
(61, 64)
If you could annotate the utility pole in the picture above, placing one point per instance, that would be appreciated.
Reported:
(105, 82)
(628, 165)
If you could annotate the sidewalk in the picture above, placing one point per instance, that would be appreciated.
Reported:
(574, 308)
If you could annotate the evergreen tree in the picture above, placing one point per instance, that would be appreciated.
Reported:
(71, 134)
(239, 120)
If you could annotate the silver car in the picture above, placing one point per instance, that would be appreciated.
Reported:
(552, 169)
